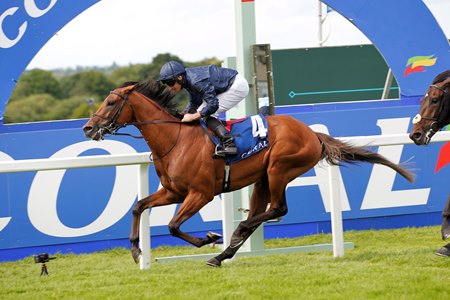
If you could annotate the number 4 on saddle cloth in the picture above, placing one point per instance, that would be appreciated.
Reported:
(250, 136)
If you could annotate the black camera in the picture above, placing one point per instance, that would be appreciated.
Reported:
(42, 258)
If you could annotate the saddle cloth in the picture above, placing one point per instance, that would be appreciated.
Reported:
(250, 135)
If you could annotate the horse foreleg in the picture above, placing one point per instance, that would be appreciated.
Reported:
(191, 205)
(160, 198)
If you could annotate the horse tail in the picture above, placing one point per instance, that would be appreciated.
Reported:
(336, 151)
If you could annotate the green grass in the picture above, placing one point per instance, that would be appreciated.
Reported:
(385, 264)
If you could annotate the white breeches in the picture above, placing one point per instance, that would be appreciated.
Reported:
(235, 94)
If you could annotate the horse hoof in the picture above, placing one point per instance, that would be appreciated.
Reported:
(214, 262)
(213, 236)
(137, 254)
(444, 251)
(446, 236)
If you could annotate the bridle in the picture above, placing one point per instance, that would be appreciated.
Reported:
(113, 126)
(437, 121)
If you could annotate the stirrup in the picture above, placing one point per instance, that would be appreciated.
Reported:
(222, 151)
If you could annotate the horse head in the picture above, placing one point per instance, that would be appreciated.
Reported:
(134, 103)
(434, 110)
(112, 114)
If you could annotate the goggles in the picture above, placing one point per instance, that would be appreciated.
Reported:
(169, 82)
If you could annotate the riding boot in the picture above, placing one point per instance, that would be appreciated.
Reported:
(445, 229)
(226, 144)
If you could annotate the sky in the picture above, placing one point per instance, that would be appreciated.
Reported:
(135, 31)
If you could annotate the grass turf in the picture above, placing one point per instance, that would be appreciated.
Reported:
(385, 264)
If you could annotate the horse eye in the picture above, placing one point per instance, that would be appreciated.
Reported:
(434, 100)
(110, 103)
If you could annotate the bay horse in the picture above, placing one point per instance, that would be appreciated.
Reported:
(182, 154)
(433, 115)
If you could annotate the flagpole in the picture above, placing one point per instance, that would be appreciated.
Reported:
(321, 19)
(320, 35)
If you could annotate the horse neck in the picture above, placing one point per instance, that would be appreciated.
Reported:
(161, 136)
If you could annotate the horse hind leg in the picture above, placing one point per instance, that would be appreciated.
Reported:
(257, 215)
(242, 233)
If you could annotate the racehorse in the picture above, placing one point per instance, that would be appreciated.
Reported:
(182, 155)
(434, 114)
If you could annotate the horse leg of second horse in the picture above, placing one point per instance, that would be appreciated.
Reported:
(444, 251)
(445, 229)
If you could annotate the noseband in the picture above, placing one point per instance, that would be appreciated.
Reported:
(112, 127)
(438, 121)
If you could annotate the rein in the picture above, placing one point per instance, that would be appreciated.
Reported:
(113, 128)
(119, 126)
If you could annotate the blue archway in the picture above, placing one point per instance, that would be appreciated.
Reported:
(404, 31)
(25, 27)
(406, 34)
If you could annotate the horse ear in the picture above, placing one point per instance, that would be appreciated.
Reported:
(445, 83)
(128, 89)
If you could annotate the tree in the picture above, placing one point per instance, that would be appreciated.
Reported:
(32, 108)
(131, 73)
(61, 94)
(160, 59)
(36, 81)
(92, 84)
(72, 108)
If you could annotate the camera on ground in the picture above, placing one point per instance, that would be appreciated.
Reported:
(42, 258)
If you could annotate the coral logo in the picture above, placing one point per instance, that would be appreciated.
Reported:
(32, 10)
(417, 64)
(444, 156)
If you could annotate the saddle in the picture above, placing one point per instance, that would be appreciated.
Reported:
(250, 136)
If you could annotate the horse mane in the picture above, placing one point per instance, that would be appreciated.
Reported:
(441, 77)
(157, 92)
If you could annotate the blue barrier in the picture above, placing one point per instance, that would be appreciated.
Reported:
(78, 203)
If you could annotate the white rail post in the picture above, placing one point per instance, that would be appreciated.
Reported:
(227, 218)
(336, 212)
(144, 226)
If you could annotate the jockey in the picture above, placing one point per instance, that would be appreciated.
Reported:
(212, 91)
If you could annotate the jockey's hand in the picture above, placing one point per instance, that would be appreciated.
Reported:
(191, 117)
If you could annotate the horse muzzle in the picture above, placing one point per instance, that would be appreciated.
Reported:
(419, 138)
(93, 132)
(424, 138)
